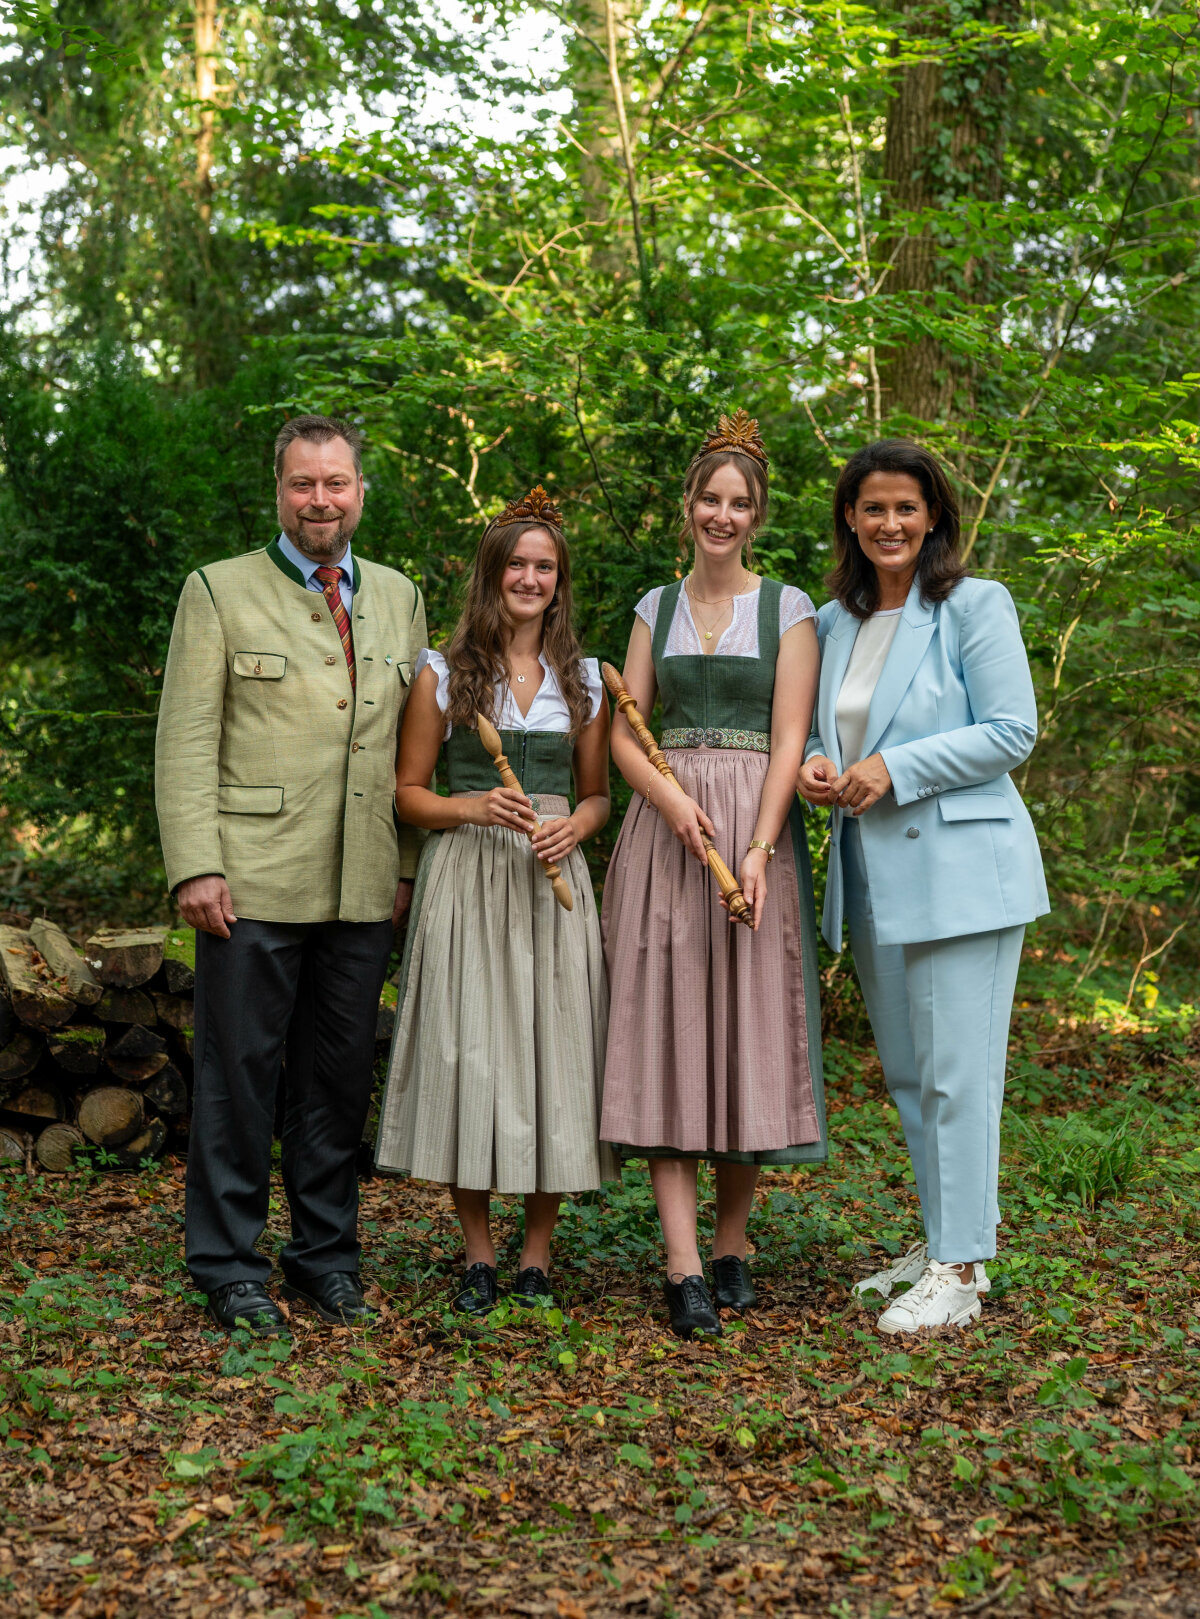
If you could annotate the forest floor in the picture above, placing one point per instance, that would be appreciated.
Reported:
(584, 1463)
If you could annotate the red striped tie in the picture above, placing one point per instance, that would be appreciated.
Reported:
(331, 584)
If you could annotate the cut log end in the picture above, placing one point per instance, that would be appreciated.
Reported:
(125, 960)
(149, 1144)
(109, 1116)
(58, 1147)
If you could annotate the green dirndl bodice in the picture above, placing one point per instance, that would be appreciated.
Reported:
(715, 1048)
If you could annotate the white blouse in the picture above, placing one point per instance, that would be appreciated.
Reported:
(547, 712)
(872, 643)
(740, 639)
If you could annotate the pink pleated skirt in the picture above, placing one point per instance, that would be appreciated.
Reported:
(709, 1029)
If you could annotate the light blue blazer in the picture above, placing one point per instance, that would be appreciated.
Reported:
(951, 849)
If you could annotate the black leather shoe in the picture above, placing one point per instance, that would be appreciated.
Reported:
(247, 1304)
(532, 1287)
(732, 1287)
(337, 1296)
(691, 1308)
(478, 1292)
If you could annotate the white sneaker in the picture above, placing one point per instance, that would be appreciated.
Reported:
(938, 1300)
(909, 1268)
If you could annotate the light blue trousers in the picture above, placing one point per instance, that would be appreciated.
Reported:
(940, 1013)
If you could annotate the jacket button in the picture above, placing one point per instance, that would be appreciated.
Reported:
(912, 832)
(342, 702)
(316, 617)
(354, 747)
(330, 660)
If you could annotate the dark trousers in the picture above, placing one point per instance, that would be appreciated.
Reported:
(311, 989)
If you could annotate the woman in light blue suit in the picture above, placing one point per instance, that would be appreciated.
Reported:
(925, 705)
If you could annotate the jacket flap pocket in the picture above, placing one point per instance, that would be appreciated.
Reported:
(260, 665)
(975, 807)
(249, 800)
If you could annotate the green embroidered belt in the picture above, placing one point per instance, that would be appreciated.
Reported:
(724, 737)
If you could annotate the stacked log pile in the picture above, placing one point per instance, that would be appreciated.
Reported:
(96, 1045)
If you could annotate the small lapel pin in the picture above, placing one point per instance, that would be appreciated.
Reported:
(388, 659)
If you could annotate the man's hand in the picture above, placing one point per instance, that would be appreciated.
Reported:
(404, 894)
(205, 903)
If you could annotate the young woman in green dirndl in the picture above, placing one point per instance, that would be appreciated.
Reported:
(498, 1055)
(714, 1050)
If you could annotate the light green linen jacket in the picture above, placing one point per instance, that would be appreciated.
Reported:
(269, 770)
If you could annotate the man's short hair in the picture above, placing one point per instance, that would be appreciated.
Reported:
(317, 430)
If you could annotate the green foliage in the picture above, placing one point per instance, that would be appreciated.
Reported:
(505, 293)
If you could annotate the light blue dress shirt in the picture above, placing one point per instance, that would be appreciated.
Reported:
(309, 568)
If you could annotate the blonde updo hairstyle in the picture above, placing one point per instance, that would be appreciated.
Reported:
(702, 469)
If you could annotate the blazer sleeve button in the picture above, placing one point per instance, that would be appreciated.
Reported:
(911, 832)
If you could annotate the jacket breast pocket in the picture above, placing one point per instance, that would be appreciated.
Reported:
(233, 800)
(260, 665)
(975, 807)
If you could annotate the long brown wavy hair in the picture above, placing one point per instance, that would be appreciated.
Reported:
(477, 651)
(939, 567)
(702, 469)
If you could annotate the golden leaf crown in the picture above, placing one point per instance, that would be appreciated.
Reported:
(535, 507)
(737, 432)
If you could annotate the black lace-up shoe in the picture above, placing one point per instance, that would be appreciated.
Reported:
(732, 1287)
(532, 1287)
(478, 1292)
(691, 1308)
(337, 1296)
(247, 1304)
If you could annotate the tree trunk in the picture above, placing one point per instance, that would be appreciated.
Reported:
(602, 170)
(206, 83)
(946, 132)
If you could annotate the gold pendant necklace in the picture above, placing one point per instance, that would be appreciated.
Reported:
(716, 601)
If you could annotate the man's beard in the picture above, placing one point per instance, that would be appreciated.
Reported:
(320, 542)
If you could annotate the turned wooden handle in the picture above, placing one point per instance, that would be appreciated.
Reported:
(725, 880)
(490, 738)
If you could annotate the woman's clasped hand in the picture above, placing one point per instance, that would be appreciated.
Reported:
(855, 789)
(503, 806)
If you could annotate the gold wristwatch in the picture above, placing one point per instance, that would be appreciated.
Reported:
(761, 843)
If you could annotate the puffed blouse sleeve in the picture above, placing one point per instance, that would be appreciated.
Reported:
(794, 608)
(595, 685)
(434, 660)
(647, 608)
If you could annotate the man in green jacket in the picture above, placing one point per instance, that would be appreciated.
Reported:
(275, 774)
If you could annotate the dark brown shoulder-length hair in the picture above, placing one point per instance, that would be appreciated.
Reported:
(702, 469)
(853, 580)
(477, 651)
